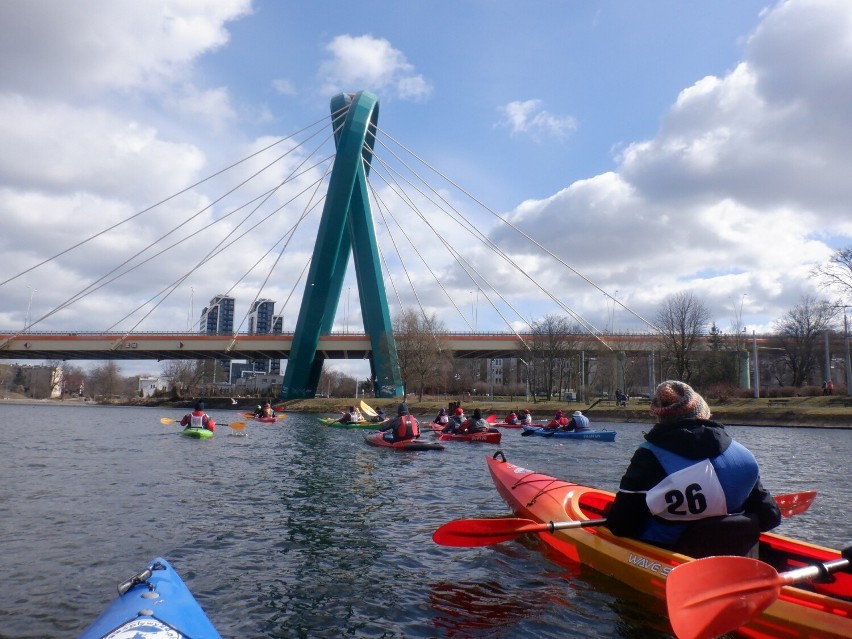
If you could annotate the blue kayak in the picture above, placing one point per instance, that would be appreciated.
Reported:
(599, 435)
(154, 603)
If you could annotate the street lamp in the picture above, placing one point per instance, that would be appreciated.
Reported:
(29, 308)
(528, 377)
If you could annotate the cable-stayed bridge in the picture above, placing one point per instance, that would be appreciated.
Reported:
(251, 236)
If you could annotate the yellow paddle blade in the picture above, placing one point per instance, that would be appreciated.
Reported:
(167, 420)
(367, 408)
(237, 425)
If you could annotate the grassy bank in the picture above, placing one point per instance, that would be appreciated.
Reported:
(834, 412)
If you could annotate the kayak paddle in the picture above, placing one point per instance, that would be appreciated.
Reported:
(235, 425)
(795, 503)
(712, 596)
(484, 532)
(368, 409)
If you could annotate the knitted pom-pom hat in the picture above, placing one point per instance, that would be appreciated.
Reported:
(675, 400)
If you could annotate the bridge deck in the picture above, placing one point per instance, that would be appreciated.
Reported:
(176, 345)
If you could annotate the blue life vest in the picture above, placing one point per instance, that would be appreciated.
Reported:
(696, 489)
(581, 422)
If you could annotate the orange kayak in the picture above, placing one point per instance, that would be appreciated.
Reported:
(817, 610)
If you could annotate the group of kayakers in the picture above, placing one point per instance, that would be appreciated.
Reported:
(689, 487)
(264, 411)
(578, 422)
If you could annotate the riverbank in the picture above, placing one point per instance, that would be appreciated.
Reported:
(809, 412)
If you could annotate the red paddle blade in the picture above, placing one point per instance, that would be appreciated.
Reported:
(484, 532)
(491, 419)
(795, 503)
(709, 597)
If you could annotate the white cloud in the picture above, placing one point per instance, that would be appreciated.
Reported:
(108, 44)
(284, 87)
(736, 193)
(359, 62)
(529, 118)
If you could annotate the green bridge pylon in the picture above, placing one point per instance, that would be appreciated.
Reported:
(346, 228)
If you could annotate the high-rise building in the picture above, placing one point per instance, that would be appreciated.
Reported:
(262, 321)
(217, 318)
(261, 317)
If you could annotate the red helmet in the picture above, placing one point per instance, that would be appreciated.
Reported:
(459, 411)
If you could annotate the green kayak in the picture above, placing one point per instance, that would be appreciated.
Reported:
(197, 433)
(333, 423)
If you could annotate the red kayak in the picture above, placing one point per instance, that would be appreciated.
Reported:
(568, 516)
(266, 420)
(504, 425)
(378, 439)
(488, 437)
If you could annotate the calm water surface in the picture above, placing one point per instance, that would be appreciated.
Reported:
(299, 530)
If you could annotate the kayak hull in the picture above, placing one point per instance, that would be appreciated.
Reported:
(197, 433)
(266, 420)
(486, 437)
(597, 435)
(378, 439)
(165, 609)
(796, 613)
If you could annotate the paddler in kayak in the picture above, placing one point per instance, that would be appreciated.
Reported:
(402, 427)
(442, 418)
(475, 424)
(690, 487)
(267, 411)
(198, 419)
(578, 423)
(559, 421)
(352, 416)
(456, 420)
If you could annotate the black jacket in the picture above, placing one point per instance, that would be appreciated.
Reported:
(691, 438)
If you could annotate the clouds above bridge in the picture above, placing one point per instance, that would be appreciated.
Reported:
(652, 150)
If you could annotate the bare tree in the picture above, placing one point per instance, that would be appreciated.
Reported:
(186, 376)
(682, 320)
(551, 351)
(836, 274)
(423, 355)
(105, 381)
(801, 330)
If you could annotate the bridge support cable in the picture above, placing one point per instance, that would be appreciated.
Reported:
(463, 263)
(345, 229)
(120, 270)
(164, 293)
(526, 236)
(459, 219)
(165, 200)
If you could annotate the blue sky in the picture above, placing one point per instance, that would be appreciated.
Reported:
(655, 146)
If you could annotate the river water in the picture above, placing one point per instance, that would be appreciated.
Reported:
(300, 530)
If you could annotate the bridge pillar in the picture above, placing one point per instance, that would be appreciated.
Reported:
(346, 228)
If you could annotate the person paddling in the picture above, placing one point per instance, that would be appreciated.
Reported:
(690, 487)
(559, 421)
(456, 421)
(402, 427)
(578, 422)
(198, 419)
